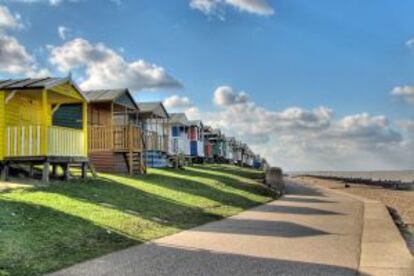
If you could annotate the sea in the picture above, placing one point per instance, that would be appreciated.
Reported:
(403, 176)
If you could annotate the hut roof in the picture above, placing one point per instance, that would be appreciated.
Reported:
(28, 83)
(37, 84)
(178, 118)
(197, 123)
(109, 95)
(156, 108)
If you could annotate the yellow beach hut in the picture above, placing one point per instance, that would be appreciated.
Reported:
(28, 134)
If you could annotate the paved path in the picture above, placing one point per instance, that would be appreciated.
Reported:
(308, 232)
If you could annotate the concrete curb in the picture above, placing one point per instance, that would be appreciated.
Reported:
(383, 249)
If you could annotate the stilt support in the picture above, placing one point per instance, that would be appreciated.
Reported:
(45, 174)
(5, 172)
(54, 170)
(65, 167)
(84, 170)
(31, 170)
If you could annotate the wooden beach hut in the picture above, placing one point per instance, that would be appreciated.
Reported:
(30, 135)
(196, 137)
(154, 118)
(116, 142)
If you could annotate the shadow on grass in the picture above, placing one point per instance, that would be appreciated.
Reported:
(118, 195)
(35, 239)
(178, 182)
(233, 170)
(38, 239)
(227, 180)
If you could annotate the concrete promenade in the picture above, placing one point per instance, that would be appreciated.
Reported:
(310, 231)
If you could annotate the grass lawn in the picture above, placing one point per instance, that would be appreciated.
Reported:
(45, 228)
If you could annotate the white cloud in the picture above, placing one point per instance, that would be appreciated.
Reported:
(14, 58)
(302, 139)
(404, 92)
(58, 2)
(410, 43)
(217, 7)
(105, 68)
(193, 113)
(50, 2)
(63, 32)
(176, 101)
(8, 20)
(260, 7)
(225, 96)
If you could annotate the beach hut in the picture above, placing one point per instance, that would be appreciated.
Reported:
(222, 148)
(115, 138)
(196, 137)
(229, 152)
(244, 154)
(215, 139)
(208, 146)
(179, 144)
(237, 152)
(30, 135)
(154, 120)
(257, 161)
(249, 157)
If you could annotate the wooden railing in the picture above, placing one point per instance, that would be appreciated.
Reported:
(165, 142)
(63, 141)
(154, 141)
(33, 140)
(117, 138)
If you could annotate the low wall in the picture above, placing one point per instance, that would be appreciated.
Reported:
(274, 179)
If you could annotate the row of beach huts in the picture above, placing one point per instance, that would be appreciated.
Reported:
(49, 125)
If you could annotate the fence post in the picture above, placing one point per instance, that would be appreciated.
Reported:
(44, 130)
(130, 146)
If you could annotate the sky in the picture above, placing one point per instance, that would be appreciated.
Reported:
(310, 85)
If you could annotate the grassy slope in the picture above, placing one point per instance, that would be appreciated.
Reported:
(43, 229)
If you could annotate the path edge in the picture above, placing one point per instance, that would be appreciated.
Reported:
(383, 248)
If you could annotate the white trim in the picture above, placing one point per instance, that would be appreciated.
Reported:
(55, 108)
(10, 96)
(22, 142)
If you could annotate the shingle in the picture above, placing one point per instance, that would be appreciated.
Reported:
(178, 118)
(103, 95)
(148, 106)
(38, 83)
(27, 83)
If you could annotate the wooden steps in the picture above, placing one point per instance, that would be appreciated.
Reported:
(136, 164)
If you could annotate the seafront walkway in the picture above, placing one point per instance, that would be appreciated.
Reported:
(310, 231)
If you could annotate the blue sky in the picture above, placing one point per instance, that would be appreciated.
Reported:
(346, 56)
